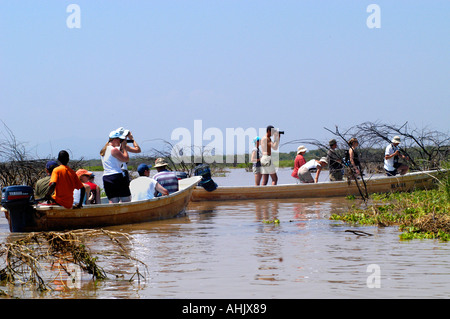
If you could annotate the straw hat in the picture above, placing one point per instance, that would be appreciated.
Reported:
(160, 162)
(301, 149)
(396, 139)
(323, 159)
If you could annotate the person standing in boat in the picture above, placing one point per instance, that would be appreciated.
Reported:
(304, 173)
(256, 160)
(391, 155)
(334, 162)
(133, 148)
(267, 145)
(352, 159)
(299, 162)
(115, 181)
(63, 182)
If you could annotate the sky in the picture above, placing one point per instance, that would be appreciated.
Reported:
(153, 66)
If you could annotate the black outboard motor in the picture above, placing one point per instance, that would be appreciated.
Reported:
(19, 201)
(181, 175)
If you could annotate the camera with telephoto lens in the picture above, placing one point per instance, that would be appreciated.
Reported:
(280, 132)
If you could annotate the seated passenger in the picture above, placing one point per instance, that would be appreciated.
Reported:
(63, 182)
(94, 196)
(43, 184)
(83, 175)
(164, 177)
(144, 187)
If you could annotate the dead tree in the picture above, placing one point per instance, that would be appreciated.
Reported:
(17, 165)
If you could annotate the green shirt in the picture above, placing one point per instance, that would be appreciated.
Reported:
(41, 188)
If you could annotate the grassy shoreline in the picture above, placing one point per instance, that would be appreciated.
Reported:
(421, 214)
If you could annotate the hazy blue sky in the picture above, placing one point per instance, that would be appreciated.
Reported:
(152, 66)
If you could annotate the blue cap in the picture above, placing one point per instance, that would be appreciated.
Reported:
(256, 139)
(51, 164)
(142, 168)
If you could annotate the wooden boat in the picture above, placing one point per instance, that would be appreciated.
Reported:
(383, 184)
(44, 218)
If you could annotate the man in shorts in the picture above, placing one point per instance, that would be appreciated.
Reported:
(391, 164)
(267, 145)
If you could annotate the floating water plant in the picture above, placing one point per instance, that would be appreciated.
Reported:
(420, 214)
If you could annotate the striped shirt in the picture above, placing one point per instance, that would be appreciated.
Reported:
(168, 180)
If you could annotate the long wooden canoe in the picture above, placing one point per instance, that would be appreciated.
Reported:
(383, 184)
(45, 218)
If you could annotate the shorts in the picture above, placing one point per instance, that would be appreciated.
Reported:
(267, 166)
(336, 175)
(304, 175)
(116, 185)
(394, 172)
(256, 169)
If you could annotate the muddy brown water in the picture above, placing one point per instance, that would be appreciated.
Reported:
(235, 250)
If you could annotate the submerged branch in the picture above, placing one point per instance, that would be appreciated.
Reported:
(25, 259)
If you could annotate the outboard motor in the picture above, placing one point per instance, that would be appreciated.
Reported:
(19, 201)
(181, 175)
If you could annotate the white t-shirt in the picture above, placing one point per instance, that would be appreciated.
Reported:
(389, 163)
(142, 188)
(311, 164)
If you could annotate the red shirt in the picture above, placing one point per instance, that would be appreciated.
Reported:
(299, 162)
(66, 182)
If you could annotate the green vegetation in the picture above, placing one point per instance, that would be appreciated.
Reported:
(422, 214)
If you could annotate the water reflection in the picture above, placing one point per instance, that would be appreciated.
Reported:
(229, 250)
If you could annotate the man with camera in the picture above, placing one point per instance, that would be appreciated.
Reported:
(267, 145)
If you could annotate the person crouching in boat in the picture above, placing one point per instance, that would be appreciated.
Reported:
(391, 155)
(63, 182)
(304, 173)
(144, 187)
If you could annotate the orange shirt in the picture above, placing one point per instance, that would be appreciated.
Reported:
(66, 181)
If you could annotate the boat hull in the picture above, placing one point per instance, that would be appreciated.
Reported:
(47, 218)
(408, 182)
